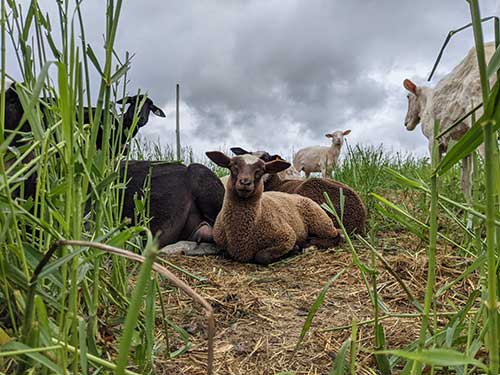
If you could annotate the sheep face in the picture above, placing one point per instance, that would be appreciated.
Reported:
(246, 175)
(143, 115)
(337, 137)
(413, 115)
(246, 172)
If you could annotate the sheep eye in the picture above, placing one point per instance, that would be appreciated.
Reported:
(258, 175)
(234, 170)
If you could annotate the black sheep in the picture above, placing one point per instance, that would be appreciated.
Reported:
(14, 112)
(184, 200)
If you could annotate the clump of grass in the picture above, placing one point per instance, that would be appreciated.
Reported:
(145, 149)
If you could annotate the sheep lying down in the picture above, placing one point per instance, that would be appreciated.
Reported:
(184, 200)
(353, 212)
(262, 227)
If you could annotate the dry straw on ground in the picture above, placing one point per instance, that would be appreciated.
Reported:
(260, 311)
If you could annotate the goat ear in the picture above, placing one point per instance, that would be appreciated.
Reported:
(347, 131)
(276, 166)
(410, 86)
(157, 111)
(219, 158)
(239, 151)
(328, 135)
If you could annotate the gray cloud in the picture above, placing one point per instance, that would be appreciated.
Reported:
(280, 74)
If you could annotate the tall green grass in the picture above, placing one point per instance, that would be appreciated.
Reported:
(54, 302)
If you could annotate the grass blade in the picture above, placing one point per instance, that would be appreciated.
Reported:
(314, 309)
(437, 357)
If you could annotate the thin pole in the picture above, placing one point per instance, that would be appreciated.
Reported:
(177, 123)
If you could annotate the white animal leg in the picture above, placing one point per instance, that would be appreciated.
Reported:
(323, 167)
(466, 178)
(467, 186)
(323, 171)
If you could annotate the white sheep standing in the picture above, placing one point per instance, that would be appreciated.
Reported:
(320, 158)
(452, 97)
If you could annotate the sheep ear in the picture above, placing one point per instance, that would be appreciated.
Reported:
(157, 111)
(410, 86)
(239, 151)
(328, 135)
(219, 158)
(347, 131)
(276, 166)
(277, 157)
(125, 100)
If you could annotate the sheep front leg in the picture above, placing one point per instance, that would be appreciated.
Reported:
(324, 243)
(284, 244)
(219, 236)
(323, 167)
(321, 231)
(466, 178)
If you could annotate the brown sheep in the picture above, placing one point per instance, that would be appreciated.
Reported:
(354, 213)
(263, 227)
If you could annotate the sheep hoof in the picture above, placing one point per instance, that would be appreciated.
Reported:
(264, 258)
(325, 243)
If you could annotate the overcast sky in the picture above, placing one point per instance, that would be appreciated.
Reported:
(278, 75)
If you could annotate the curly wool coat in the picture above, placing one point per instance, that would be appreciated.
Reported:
(269, 225)
(354, 213)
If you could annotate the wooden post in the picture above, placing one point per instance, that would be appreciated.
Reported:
(177, 124)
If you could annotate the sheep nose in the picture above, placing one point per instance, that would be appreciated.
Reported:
(245, 181)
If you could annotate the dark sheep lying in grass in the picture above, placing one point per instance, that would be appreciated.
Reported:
(14, 112)
(184, 201)
(263, 227)
(354, 213)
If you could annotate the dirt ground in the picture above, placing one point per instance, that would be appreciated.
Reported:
(260, 311)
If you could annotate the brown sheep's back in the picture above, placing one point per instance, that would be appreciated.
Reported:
(354, 215)
(246, 231)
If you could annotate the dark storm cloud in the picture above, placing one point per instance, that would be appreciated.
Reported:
(308, 66)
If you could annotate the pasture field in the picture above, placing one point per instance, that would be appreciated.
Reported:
(418, 294)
